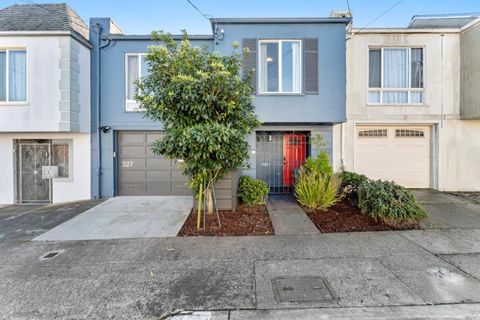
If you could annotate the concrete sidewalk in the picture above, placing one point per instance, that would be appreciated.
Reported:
(149, 278)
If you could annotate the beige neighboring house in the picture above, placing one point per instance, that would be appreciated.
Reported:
(413, 103)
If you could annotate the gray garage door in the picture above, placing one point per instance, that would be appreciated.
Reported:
(143, 173)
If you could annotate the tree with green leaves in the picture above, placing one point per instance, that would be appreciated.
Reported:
(205, 106)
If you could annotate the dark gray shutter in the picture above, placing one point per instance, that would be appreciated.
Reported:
(250, 61)
(310, 65)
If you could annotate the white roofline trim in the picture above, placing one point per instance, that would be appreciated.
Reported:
(470, 25)
(74, 35)
(403, 30)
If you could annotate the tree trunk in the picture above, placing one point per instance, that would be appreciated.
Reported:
(209, 200)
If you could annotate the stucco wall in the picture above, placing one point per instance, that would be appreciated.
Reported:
(470, 73)
(435, 105)
(459, 154)
(75, 188)
(326, 106)
(42, 111)
(455, 143)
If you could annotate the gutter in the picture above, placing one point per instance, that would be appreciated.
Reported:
(73, 34)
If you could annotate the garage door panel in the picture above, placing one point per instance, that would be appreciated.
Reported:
(163, 176)
(156, 188)
(405, 160)
(158, 164)
(181, 189)
(178, 176)
(152, 137)
(141, 172)
(136, 138)
(132, 188)
(131, 151)
(132, 176)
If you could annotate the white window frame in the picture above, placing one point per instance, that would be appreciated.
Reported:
(7, 75)
(280, 71)
(409, 89)
(130, 104)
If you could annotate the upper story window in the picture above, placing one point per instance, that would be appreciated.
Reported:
(396, 76)
(135, 68)
(13, 75)
(280, 67)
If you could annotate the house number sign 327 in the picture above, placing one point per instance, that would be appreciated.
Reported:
(127, 164)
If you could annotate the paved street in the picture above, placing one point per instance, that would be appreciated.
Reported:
(432, 273)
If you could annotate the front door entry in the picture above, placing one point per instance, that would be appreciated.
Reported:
(294, 152)
(32, 186)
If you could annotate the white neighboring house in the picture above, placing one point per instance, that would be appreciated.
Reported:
(413, 103)
(44, 104)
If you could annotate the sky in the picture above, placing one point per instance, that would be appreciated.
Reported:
(143, 16)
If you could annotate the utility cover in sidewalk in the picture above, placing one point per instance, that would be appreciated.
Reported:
(302, 289)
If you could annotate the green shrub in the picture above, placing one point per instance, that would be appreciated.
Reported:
(320, 164)
(385, 200)
(252, 191)
(315, 190)
(350, 182)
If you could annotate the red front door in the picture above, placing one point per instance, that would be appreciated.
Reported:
(294, 153)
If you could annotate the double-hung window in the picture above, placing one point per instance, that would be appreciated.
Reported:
(396, 76)
(13, 75)
(135, 68)
(280, 66)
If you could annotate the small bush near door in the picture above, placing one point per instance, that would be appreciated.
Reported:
(252, 191)
(387, 201)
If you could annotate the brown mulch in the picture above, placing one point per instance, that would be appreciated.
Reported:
(246, 221)
(346, 217)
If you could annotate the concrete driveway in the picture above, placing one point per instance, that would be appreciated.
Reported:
(25, 222)
(126, 217)
(448, 211)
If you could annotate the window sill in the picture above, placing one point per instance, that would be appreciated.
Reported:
(280, 94)
(14, 104)
(396, 105)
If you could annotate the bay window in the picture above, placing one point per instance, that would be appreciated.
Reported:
(136, 67)
(280, 66)
(13, 75)
(395, 76)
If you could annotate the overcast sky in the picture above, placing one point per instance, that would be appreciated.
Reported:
(143, 16)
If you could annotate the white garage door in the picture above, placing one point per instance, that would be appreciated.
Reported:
(398, 153)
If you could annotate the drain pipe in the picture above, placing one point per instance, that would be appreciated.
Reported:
(98, 102)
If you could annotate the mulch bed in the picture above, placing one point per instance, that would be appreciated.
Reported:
(246, 221)
(346, 217)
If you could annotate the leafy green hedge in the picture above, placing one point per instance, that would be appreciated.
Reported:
(350, 182)
(385, 200)
(252, 191)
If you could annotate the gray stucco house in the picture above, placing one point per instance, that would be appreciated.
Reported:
(300, 89)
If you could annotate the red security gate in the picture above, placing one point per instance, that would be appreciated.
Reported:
(279, 156)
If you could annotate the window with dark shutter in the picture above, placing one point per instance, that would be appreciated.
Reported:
(310, 65)
(250, 61)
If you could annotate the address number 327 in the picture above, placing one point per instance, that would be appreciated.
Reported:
(127, 164)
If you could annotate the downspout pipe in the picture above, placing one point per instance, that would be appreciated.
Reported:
(98, 103)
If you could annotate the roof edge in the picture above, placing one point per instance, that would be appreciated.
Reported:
(405, 30)
(304, 20)
(149, 37)
(72, 34)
